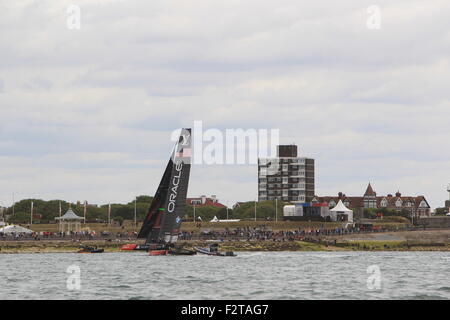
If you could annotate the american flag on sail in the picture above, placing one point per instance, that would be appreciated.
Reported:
(185, 153)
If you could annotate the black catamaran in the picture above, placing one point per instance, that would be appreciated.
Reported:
(162, 223)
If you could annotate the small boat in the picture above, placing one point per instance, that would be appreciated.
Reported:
(213, 251)
(129, 247)
(182, 252)
(158, 252)
(87, 249)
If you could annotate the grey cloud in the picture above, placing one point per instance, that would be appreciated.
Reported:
(368, 105)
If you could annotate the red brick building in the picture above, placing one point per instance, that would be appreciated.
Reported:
(204, 201)
(417, 206)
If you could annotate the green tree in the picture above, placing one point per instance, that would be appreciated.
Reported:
(119, 220)
(264, 210)
(50, 209)
(143, 199)
(20, 217)
(441, 211)
(207, 213)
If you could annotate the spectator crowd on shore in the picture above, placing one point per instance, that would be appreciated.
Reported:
(260, 233)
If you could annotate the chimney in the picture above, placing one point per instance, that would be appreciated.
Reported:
(203, 199)
(214, 198)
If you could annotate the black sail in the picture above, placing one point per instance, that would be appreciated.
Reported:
(163, 221)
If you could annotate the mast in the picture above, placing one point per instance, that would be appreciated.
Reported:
(276, 209)
(163, 221)
(135, 211)
(85, 209)
(109, 214)
(60, 213)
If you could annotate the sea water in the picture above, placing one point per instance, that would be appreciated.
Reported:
(250, 275)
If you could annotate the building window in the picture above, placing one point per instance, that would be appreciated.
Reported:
(370, 203)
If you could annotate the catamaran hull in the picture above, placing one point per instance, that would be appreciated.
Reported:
(128, 247)
(158, 252)
(142, 247)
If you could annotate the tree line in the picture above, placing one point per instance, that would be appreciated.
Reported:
(47, 211)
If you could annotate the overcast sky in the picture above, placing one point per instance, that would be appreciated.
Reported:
(86, 114)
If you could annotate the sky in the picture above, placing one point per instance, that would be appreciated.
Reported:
(87, 113)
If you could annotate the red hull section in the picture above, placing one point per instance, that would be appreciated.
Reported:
(128, 247)
(158, 252)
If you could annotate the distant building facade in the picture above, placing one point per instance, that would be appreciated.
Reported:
(82, 203)
(287, 177)
(417, 206)
(204, 201)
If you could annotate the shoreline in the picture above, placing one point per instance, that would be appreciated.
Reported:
(323, 245)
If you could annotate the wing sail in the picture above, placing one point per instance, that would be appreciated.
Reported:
(163, 221)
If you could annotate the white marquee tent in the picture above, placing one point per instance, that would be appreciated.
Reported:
(13, 229)
(340, 210)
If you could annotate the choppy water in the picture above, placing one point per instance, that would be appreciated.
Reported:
(260, 275)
